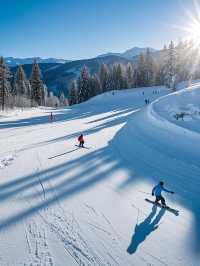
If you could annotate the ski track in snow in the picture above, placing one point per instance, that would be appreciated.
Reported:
(6, 161)
(39, 254)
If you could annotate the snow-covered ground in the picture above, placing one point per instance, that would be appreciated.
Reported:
(61, 205)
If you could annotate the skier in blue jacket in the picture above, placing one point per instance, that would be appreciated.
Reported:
(157, 190)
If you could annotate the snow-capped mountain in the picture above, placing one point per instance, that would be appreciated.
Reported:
(12, 61)
(130, 53)
(57, 76)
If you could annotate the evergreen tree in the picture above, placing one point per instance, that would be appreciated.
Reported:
(170, 67)
(5, 86)
(119, 79)
(21, 84)
(180, 61)
(149, 69)
(62, 99)
(130, 75)
(45, 95)
(73, 93)
(52, 100)
(37, 86)
(95, 86)
(105, 79)
(141, 75)
(84, 85)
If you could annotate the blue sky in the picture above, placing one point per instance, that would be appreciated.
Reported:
(75, 29)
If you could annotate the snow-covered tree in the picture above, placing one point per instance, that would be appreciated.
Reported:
(95, 86)
(5, 86)
(73, 93)
(37, 86)
(130, 75)
(21, 84)
(63, 100)
(141, 75)
(45, 95)
(170, 67)
(104, 77)
(119, 77)
(52, 100)
(84, 85)
(149, 69)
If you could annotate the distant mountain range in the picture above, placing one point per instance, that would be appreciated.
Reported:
(58, 76)
(58, 73)
(12, 61)
(130, 53)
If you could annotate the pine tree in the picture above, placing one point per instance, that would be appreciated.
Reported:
(5, 87)
(119, 78)
(130, 75)
(63, 100)
(95, 86)
(21, 89)
(73, 93)
(52, 100)
(45, 95)
(21, 84)
(170, 67)
(149, 69)
(37, 86)
(105, 79)
(84, 85)
(180, 61)
(141, 75)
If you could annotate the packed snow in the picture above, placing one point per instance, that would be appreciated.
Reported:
(64, 205)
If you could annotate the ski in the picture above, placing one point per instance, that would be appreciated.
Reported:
(174, 211)
(82, 147)
(58, 155)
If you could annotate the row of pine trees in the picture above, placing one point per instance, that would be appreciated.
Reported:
(168, 67)
(172, 65)
(22, 92)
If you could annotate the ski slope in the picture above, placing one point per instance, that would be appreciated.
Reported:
(61, 205)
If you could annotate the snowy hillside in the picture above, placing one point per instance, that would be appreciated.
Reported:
(63, 205)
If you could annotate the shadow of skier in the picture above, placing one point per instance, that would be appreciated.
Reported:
(145, 228)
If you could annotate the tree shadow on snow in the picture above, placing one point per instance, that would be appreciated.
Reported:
(35, 188)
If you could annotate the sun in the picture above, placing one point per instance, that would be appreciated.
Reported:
(193, 31)
(192, 26)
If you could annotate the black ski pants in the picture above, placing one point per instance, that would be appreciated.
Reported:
(160, 198)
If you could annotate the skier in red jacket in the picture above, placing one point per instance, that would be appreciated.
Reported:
(81, 141)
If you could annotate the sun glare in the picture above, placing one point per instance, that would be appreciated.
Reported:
(192, 26)
(193, 31)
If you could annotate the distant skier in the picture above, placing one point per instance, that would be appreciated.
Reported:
(81, 141)
(157, 190)
(51, 117)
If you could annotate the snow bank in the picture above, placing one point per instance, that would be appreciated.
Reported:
(181, 108)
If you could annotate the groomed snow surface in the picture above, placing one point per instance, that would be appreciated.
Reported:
(62, 205)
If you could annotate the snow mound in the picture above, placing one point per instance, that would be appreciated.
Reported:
(181, 108)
